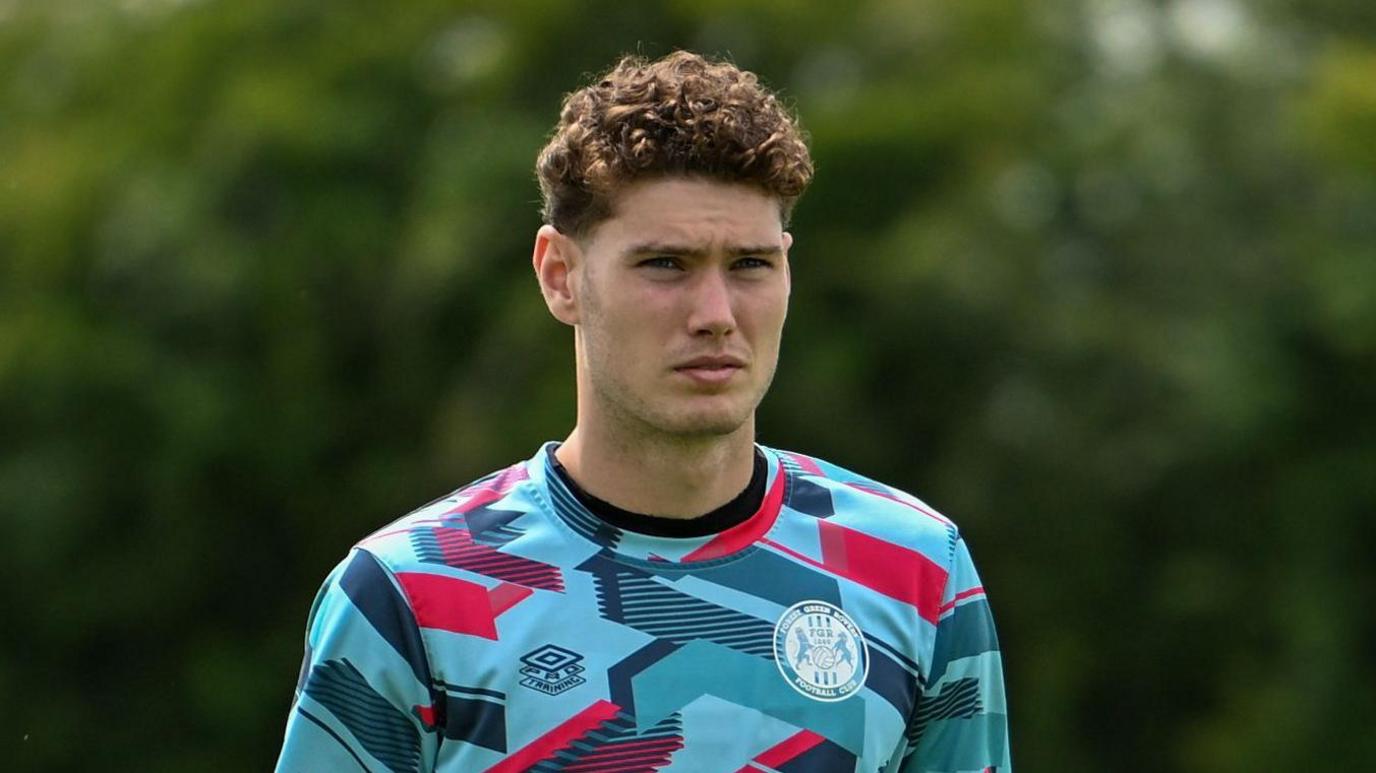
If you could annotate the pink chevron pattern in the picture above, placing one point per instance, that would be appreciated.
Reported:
(783, 751)
(629, 757)
(506, 596)
(805, 463)
(460, 551)
(557, 738)
(449, 604)
(459, 606)
(895, 571)
(490, 491)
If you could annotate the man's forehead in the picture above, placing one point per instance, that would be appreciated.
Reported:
(680, 189)
(696, 215)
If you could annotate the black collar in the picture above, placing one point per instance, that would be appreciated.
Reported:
(738, 510)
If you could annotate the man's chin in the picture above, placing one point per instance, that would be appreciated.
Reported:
(704, 425)
(688, 416)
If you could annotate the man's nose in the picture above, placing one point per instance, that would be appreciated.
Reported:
(712, 313)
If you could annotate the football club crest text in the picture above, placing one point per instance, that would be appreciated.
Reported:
(820, 651)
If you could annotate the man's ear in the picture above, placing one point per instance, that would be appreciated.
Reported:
(788, 273)
(554, 258)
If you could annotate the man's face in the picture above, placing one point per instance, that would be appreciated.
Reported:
(681, 297)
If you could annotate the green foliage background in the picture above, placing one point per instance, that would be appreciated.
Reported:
(1095, 277)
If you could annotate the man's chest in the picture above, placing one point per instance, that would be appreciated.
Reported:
(677, 671)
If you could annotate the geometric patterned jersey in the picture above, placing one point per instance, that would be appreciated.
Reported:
(504, 627)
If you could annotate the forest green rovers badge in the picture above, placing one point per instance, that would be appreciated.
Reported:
(820, 651)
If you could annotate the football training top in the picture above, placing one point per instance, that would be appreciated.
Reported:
(505, 627)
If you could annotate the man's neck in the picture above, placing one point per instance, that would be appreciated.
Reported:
(672, 478)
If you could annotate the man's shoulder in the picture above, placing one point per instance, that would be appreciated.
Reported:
(848, 499)
(479, 511)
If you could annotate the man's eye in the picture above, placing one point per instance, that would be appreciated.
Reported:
(661, 261)
(752, 263)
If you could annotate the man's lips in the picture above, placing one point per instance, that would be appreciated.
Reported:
(711, 362)
(713, 369)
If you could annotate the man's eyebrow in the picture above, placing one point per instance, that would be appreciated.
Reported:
(657, 248)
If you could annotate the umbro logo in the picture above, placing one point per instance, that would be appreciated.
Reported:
(552, 669)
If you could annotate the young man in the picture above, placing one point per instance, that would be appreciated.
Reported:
(658, 592)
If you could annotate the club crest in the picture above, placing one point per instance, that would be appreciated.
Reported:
(820, 651)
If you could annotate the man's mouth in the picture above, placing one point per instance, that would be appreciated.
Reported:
(712, 369)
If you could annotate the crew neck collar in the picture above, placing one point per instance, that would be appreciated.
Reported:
(729, 540)
(739, 509)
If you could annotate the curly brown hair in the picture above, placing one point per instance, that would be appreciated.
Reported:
(681, 114)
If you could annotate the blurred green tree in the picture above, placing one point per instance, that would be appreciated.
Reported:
(1096, 278)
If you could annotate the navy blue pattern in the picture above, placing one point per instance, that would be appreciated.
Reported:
(380, 728)
(370, 588)
(958, 699)
(640, 601)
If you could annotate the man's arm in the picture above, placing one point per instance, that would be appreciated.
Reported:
(961, 721)
(364, 698)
